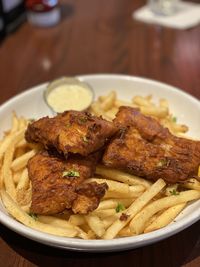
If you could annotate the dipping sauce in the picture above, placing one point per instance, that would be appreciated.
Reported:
(69, 97)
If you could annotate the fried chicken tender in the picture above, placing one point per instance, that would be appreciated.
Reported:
(89, 196)
(71, 131)
(145, 148)
(56, 184)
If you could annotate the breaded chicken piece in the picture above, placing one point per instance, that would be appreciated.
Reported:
(89, 196)
(145, 148)
(56, 183)
(71, 131)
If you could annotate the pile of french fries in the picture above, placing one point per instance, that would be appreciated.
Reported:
(131, 205)
(107, 107)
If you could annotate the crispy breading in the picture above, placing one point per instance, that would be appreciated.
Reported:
(145, 148)
(89, 196)
(56, 181)
(71, 131)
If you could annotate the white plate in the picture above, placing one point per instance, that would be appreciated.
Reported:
(185, 107)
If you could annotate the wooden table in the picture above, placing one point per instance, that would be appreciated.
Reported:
(100, 37)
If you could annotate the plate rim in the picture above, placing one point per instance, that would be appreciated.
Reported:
(102, 75)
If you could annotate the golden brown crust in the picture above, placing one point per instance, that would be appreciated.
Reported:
(89, 196)
(71, 131)
(145, 148)
(54, 189)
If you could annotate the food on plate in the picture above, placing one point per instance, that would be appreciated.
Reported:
(71, 131)
(108, 106)
(68, 93)
(137, 225)
(145, 148)
(57, 184)
(67, 191)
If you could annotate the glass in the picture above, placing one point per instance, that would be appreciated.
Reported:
(163, 7)
(43, 12)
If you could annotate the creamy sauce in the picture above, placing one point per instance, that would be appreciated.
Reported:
(66, 97)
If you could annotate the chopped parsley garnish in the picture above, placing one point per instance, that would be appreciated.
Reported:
(82, 120)
(33, 215)
(71, 173)
(68, 125)
(120, 207)
(174, 119)
(85, 139)
(163, 162)
(122, 133)
(174, 192)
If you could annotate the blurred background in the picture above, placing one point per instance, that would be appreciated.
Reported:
(44, 40)
(91, 36)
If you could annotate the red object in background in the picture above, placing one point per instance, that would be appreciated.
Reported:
(43, 12)
(41, 5)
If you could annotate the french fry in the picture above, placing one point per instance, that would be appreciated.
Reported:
(77, 219)
(141, 101)
(118, 189)
(121, 176)
(104, 213)
(91, 234)
(152, 219)
(125, 232)
(7, 173)
(24, 180)
(113, 186)
(134, 208)
(7, 161)
(114, 195)
(101, 98)
(17, 176)
(111, 113)
(108, 101)
(165, 218)
(22, 144)
(22, 123)
(174, 127)
(159, 112)
(55, 221)
(21, 162)
(19, 151)
(9, 139)
(14, 123)
(164, 103)
(26, 208)
(119, 103)
(1, 178)
(23, 196)
(179, 128)
(135, 189)
(108, 221)
(192, 183)
(27, 220)
(138, 225)
(95, 224)
(112, 203)
(97, 110)
(81, 233)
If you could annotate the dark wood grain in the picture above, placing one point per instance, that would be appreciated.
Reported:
(100, 37)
